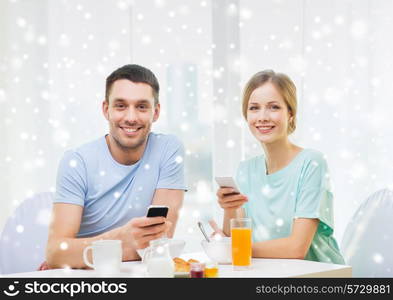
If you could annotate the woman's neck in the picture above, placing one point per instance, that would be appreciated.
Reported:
(279, 154)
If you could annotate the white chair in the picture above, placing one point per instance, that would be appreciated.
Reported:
(25, 234)
(367, 243)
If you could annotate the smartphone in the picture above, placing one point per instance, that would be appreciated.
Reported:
(227, 182)
(157, 211)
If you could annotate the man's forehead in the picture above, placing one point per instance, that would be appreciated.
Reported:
(128, 90)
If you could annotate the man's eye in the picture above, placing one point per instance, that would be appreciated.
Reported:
(119, 105)
(142, 106)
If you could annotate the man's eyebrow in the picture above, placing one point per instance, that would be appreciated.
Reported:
(143, 101)
(118, 100)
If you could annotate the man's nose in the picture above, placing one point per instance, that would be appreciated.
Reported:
(131, 115)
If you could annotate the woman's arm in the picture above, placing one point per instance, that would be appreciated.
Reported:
(231, 214)
(294, 246)
(231, 203)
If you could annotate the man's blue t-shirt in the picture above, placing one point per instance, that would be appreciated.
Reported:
(110, 193)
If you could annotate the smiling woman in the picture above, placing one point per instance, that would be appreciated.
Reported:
(285, 192)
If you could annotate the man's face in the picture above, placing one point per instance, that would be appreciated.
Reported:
(130, 112)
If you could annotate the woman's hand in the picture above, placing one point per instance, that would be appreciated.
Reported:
(228, 199)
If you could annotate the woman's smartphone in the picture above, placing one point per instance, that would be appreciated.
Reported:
(227, 182)
(157, 211)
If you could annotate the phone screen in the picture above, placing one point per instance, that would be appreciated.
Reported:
(157, 211)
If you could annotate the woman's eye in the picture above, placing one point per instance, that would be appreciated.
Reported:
(253, 108)
(275, 107)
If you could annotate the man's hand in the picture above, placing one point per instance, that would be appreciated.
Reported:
(138, 232)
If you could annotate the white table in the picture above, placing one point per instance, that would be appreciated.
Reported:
(260, 268)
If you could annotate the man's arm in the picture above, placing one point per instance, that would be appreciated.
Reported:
(65, 249)
(174, 200)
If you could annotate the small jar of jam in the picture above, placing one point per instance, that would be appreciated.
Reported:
(197, 270)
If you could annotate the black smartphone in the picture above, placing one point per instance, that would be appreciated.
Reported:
(157, 211)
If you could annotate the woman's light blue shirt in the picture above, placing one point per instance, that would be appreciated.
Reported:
(300, 190)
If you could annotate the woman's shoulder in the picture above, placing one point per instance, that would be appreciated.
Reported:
(251, 165)
(313, 161)
(251, 162)
(312, 155)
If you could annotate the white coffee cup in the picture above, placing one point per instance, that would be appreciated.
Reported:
(106, 254)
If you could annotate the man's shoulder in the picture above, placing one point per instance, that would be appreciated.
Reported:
(165, 140)
(86, 150)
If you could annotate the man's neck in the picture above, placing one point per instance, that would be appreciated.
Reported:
(123, 155)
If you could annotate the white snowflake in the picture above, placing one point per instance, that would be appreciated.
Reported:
(184, 126)
(316, 136)
(20, 228)
(279, 222)
(73, 163)
(179, 159)
(359, 29)
(230, 144)
(298, 63)
(21, 22)
(24, 136)
(358, 170)
(63, 246)
(261, 232)
(43, 217)
(245, 14)
(266, 190)
(196, 214)
(338, 20)
(160, 250)
(232, 9)
(117, 195)
(378, 258)
(123, 5)
(41, 40)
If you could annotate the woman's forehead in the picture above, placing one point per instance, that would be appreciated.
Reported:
(266, 93)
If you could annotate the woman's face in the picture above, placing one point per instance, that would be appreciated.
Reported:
(267, 114)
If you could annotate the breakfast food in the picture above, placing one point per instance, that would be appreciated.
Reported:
(182, 265)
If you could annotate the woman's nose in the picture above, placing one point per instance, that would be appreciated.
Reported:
(263, 115)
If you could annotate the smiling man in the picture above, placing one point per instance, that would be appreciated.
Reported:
(105, 187)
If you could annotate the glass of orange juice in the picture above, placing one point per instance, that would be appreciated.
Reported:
(241, 243)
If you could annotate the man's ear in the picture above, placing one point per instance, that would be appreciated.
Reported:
(157, 109)
(105, 108)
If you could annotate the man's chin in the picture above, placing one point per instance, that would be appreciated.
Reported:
(134, 143)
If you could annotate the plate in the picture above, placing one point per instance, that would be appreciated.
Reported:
(182, 275)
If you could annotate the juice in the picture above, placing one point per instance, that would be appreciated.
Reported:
(211, 272)
(241, 246)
